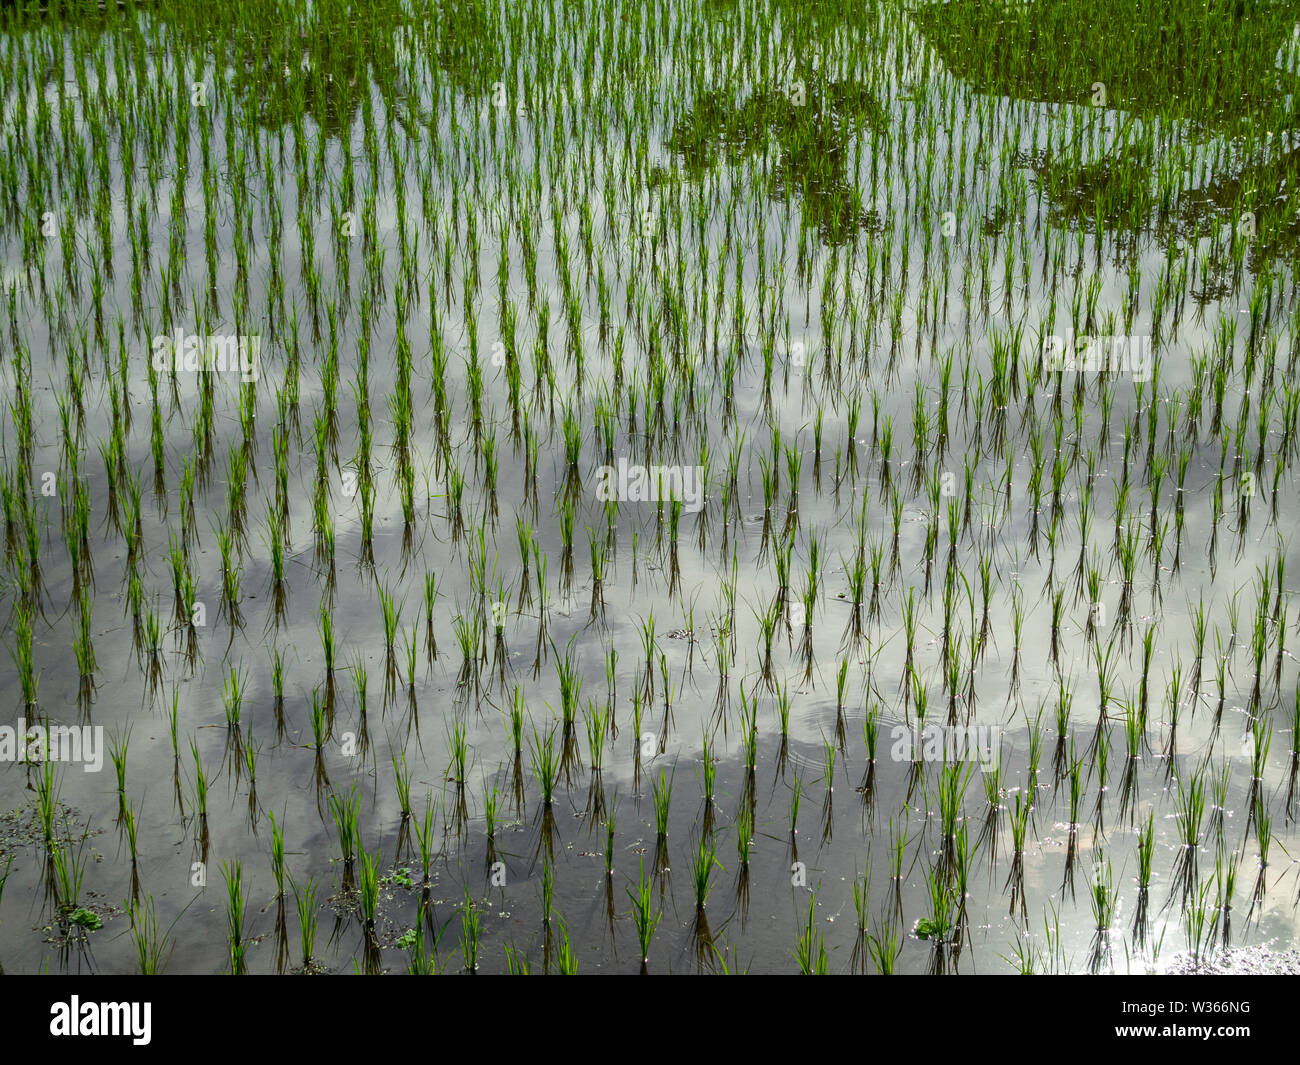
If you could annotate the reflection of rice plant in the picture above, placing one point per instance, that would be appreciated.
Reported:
(200, 783)
(548, 891)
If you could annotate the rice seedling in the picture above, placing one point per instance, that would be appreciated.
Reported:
(703, 862)
(566, 960)
(458, 770)
(152, 948)
(810, 951)
(470, 921)
(69, 868)
(884, 949)
(235, 904)
(645, 916)
(307, 920)
(368, 888)
(545, 765)
(345, 812)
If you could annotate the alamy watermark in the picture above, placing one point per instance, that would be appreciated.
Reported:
(1115, 354)
(947, 743)
(652, 484)
(77, 1018)
(57, 743)
(217, 352)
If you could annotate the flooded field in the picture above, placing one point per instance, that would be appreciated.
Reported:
(649, 487)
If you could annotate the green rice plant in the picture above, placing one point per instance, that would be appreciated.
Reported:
(390, 615)
(423, 962)
(319, 723)
(430, 597)
(459, 767)
(327, 641)
(884, 949)
(232, 698)
(1101, 895)
(424, 838)
(644, 914)
(871, 732)
(235, 906)
(307, 919)
(1019, 824)
(546, 766)
(597, 721)
(1201, 921)
(151, 948)
(360, 685)
(1191, 811)
(200, 783)
(565, 959)
(83, 649)
(47, 800)
(117, 752)
(663, 793)
(861, 898)
(708, 772)
(952, 790)
(938, 925)
(368, 887)
(491, 801)
(1263, 833)
(702, 863)
(1076, 784)
(69, 873)
(1035, 750)
(783, 709)
(469, 933)
(1261, 740)
(346, 813)
(898, 839)
(810, 950)
(1146, 851)
(277, 854)
(402, 784)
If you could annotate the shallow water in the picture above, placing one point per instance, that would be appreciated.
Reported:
(826, 225)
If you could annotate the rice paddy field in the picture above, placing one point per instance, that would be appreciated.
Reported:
(657, 486)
